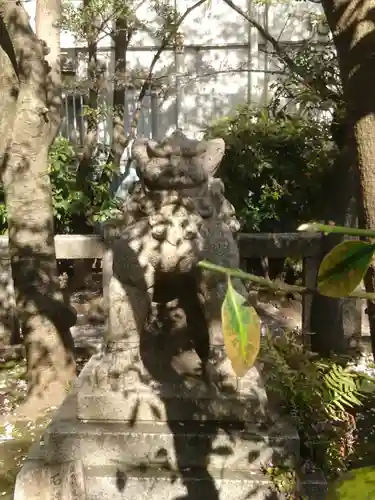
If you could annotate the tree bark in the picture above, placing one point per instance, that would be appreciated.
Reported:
(85, 167)
(47, 17)
(30, 93)
(333, 320)
(351, 23)
(121, 38)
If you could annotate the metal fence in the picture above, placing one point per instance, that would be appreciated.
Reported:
(74, 122)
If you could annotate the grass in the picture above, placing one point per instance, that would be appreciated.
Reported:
(16, 437)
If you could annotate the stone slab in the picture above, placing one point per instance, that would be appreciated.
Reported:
(113, 406)
(186, 444)
(53, 482)
(180, 397)
(115, 485)
(65, 482)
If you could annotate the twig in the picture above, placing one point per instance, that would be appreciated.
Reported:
(309, 80)
(125, 141)
(326, 228)
(274, 285)
(148, 80)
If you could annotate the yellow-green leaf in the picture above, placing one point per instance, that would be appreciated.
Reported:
(241, 331)
(343, 268)
(358, 483)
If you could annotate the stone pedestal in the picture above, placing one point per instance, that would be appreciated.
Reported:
(148, 419)
(157, 441)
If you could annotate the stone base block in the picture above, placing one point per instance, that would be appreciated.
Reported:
(182, 397)
(162, 452)
(38, 480)
(186, 444)
(115, 485)
(67, 482)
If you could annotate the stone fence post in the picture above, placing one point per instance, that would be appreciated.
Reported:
(335, 323)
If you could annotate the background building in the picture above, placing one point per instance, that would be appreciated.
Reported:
(221, 62)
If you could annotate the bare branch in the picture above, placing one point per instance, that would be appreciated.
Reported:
(148, 80)
(155, 59)
(309, 80)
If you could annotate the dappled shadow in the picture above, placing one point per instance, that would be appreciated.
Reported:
(222, 64)
(355, 46)
(9, 326)
(208, 427)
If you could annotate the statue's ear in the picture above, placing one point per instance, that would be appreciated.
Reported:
(215, 149)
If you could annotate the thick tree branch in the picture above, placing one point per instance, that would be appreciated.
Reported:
(47, 18)
(7, 46)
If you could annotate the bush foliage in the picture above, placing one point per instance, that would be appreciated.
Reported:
(74, 211)
(323, 415)
(275, 167)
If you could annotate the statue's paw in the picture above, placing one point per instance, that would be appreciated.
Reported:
(218, 370)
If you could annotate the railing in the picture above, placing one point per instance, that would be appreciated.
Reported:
(274, 245)
(74, 121)
(280, 245)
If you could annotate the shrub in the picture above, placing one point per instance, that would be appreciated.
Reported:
(319, 408)
(274, 168)
(74, 211)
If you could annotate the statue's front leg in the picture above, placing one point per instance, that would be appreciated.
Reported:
(128, 308)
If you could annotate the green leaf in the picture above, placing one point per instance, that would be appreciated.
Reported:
(241, 331)
(342, 269)
(358, 483)
(366, 386)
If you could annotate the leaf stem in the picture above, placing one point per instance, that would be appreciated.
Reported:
(326, 228)
(273, 285)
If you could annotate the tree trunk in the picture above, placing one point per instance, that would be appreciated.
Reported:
(85, 171)
(351, 23)
(47, 17)
(121, 37)
(31, 96)
(85, 167)
(334, 321)
(121, 41)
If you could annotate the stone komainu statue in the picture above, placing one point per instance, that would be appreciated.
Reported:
(175, 217)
